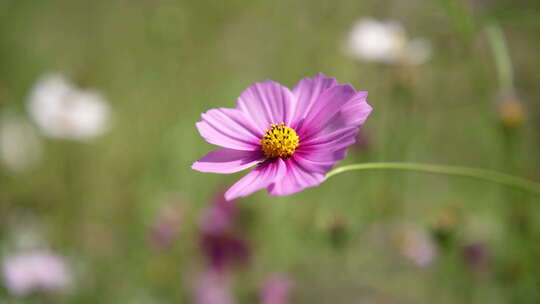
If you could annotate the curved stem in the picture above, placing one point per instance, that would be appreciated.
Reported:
(486, 175)
(503, 62)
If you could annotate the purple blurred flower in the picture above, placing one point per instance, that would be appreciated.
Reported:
(213, 288)
(292, 137)
(276, 290)
(418, 246)
(225, 250)
(476, 255)
(221, 244)
(165, 228)
(38, 270)
(220, 216)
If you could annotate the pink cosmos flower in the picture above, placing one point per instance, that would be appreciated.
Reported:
(418, 246)
(292, 137)
(213, 288)
(165, 228)
(276, 290)
(221, 244)
(219, 216)
(476, 255)
(38, 270)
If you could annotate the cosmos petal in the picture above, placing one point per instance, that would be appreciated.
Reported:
(294, 178)
(353, 114)
(322, 153)
(313, 163)
(307, 92)
(330, 142)
(227, 161)
(229, 128)
(320, 161)
(259, 178)
(267, 102)
(325, 107)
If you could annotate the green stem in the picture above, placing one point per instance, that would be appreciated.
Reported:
(486, 175)
(503, 62)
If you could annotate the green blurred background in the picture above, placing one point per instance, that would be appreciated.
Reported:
(161, 63)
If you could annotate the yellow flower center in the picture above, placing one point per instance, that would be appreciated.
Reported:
(279, 141)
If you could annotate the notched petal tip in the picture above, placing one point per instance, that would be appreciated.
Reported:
(198, 166)
(362, 94)
(322, 76)
(230, 196)
(266, 102)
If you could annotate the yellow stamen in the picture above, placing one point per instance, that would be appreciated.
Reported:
(279, 141)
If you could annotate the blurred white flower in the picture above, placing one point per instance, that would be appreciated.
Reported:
(38, 270)
(20, 147)
(63, 111)
(385, 42)
(417, 246)
(213, 288)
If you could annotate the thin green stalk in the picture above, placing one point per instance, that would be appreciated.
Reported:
(482, 174)
(503, 62)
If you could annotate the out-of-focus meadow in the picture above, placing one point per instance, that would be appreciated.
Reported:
(98, 203)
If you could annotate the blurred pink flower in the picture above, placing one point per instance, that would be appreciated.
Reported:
(418, 246)
(225, 250)
(291, 137)
(165, 227)
(213, 288)
(276, 290)
(476, 255)
(32, 271)
(221, 244)
(219, 216)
